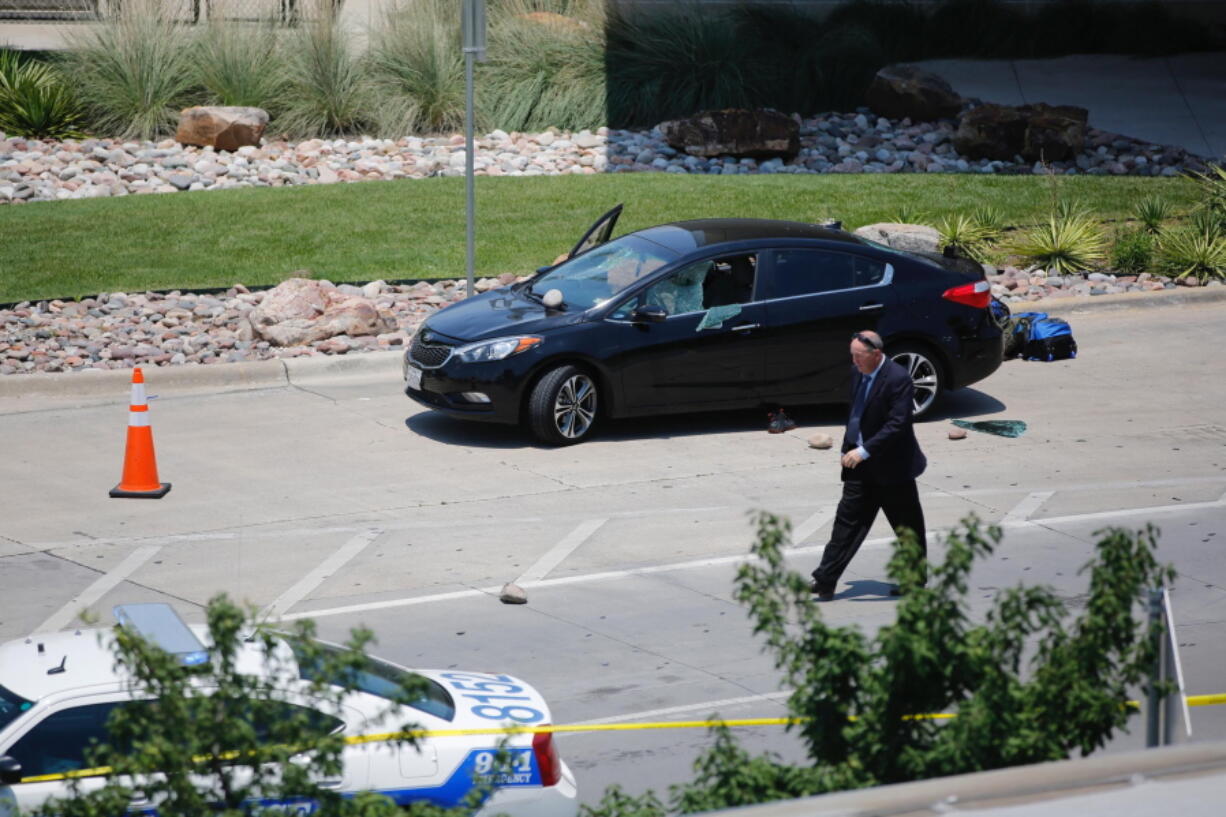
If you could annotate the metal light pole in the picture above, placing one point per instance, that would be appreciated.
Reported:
(473, 24)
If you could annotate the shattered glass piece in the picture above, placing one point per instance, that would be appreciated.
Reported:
(716, 316)
(1001, 428)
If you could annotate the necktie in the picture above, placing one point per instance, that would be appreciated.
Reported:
(857, 409)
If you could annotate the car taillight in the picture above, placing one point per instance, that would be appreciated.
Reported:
(547, 758)
(978, 294)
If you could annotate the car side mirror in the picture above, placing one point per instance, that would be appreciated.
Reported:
(10, 770)
(649, 313)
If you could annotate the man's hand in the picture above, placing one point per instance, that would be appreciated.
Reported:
(852, 458)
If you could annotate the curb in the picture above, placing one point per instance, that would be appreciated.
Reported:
(1181, 296)
(215, 378)
(269, 374)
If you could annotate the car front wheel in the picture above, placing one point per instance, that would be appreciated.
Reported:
(925, 376)
(562, 406)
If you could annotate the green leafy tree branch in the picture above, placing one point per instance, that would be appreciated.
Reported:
(1029, 683)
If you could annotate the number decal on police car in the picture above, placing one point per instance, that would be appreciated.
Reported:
(474, 685)
(517, 771)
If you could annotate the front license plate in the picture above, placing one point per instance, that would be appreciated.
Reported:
(413, 376)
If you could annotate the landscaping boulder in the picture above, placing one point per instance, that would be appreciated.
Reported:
(734, 132)
(220, 127)
(1054, 133)
(904, 91)
(906, 237)
(991, 132)
(300, 311)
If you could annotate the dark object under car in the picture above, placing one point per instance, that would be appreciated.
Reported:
(695, 316)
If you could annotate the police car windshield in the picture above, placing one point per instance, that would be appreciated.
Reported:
(12, 706)
(382, 679)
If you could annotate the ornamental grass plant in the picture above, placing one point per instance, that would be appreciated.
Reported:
(417, 68)
(1153, 212)
(1192, 251)
(241, 64)
(327, 91)
(547, 65)
(134, 71)
(35, 102)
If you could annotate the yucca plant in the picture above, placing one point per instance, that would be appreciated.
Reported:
(965, 235)
(1212, 184)
(1205, 220)
(134, 71)
(1189, 251)
(417, 68)
(547, 65)
(1065, 244)
(240, 64)
(34, 101)
(991, 219)
(908, 213)
(1152, 211)
(326, 91)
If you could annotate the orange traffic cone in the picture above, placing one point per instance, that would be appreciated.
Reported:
(140, 467)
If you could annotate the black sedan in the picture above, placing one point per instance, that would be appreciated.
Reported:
(700, 315)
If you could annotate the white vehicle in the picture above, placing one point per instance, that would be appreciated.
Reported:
(57, 690)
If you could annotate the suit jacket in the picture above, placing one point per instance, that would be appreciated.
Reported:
(886, 426)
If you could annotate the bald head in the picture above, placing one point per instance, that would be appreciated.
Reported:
(866, 351)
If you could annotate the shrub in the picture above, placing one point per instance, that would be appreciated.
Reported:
(326, 91)
(1065, 243)
(134, 70)
(965, 235)
(1212, 184)
(1192, 251)
(34, 101)
(1133, 251)
(673, 61)
(548, 67)
(908, 213)
(417, 68)
(1151, 211)
(241, 64)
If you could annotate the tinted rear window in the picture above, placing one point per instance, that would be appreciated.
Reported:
(383, 680)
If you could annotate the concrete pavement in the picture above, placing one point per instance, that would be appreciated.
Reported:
(1178, 100)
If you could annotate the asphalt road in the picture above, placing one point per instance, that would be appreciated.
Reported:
(343, 501)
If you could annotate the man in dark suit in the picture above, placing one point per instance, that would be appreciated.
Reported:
(881, 460)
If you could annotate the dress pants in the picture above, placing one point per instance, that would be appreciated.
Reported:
(854, 517)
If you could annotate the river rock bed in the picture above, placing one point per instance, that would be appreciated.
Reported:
(121, 330)
(860, 142)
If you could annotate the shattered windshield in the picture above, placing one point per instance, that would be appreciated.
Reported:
(595, 276)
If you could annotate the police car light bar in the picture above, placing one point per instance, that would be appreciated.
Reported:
(158, 623)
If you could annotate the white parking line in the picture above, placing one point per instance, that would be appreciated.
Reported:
(64, 616)
(708, 706)
(1020, 515)
(560, 551)
(317, 576)
(811, 525)
(716, 561)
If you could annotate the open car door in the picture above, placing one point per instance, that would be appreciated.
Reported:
(598, 233)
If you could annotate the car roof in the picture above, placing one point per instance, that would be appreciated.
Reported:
(687, 236)
(88, 663)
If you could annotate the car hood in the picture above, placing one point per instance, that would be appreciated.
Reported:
(496, 314)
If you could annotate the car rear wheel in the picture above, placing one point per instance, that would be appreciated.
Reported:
(562, 406)
(925, 374)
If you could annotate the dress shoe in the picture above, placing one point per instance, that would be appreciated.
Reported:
(822, 593)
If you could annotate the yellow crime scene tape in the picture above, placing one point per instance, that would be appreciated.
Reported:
(1193, 700)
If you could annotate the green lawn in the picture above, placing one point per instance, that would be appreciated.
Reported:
(415, 228)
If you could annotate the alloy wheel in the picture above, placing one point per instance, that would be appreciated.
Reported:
(924, 377)
(574, 409)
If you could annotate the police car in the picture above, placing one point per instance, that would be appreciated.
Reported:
(57, 690)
